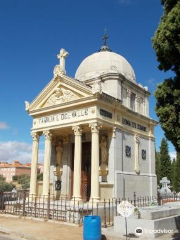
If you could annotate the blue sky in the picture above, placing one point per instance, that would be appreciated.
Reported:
(31, 35)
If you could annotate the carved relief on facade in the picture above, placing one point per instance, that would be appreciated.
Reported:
(136, 164)
(143, 154)
(97, 88)
(103, 170)
(59, 154)
(60, 96)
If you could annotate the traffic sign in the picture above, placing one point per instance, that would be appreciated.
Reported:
(125, 208)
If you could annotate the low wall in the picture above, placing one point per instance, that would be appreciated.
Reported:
(153, 222)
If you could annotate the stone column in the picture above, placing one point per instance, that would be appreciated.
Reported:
(136, 154)
(66, 167)
(77, 163)
(95, 197)
(34, 163)
(47, 159)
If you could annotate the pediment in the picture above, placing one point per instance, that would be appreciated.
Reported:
(61, 95)
(60, 90)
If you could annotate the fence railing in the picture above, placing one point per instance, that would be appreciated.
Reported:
(23, 204)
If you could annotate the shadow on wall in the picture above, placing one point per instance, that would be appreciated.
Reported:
(103, 237)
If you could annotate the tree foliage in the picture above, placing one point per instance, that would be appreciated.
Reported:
(166, 44)
(176, 184)
(5, 186)
(173, 175)
(2, 178)
(165, 166)
(15, 178)
(40, 176)
(167, 37)
(168, 110)
(24, 180)
(158, 167)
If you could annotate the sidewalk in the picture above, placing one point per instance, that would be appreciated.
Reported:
(38, 229)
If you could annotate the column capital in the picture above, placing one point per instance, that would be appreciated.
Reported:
(35, 136)
(66, 138)
(48, 135)
(128, 92)
(95, 127)
(77, 130)
(137, 97)
(112, 133)
(136, 138)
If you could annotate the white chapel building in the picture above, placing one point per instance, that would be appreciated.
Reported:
(99, 138)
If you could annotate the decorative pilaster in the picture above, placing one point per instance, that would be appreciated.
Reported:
(136, 154)
(147, 106)
(128, 98)
(34, 163)
(144, 107)
(47, 159)
(77, 163)
(95, 162)
(137, 100)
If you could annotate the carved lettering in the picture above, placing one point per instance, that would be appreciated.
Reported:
(134, 125)
(64, 116)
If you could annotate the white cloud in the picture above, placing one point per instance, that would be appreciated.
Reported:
(20, 151)
(172, 155)
(151, 82)
(3, 126)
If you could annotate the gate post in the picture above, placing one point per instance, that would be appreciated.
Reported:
(48, 205)
(24, 202)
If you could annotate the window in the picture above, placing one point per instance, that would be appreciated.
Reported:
(132, 101)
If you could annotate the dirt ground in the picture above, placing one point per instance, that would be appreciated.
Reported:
(16, 228)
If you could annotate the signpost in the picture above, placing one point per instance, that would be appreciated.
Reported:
(126, 209)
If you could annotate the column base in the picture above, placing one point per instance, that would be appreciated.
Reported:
(76, 200)
(45, 196)
(94, 199)
(32, 196)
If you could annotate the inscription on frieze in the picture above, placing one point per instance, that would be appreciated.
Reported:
(105, 113)
(61, 117)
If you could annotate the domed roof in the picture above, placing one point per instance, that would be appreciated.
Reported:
(104, 62)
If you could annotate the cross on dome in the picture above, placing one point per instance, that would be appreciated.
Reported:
(105, 37)
(105, 46)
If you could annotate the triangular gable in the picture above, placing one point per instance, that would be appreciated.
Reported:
(60, 90)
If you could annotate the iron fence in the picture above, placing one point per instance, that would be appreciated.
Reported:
(67, 210)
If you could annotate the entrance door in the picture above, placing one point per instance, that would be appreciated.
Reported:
(85, 171)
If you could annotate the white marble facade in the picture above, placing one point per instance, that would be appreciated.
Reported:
(105, 103)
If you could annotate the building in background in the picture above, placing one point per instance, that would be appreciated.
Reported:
(8, 170)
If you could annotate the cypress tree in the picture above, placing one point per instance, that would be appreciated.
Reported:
(158, 167)
(166, 45)
(165, 161)
(173, 174)
(177, 174)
